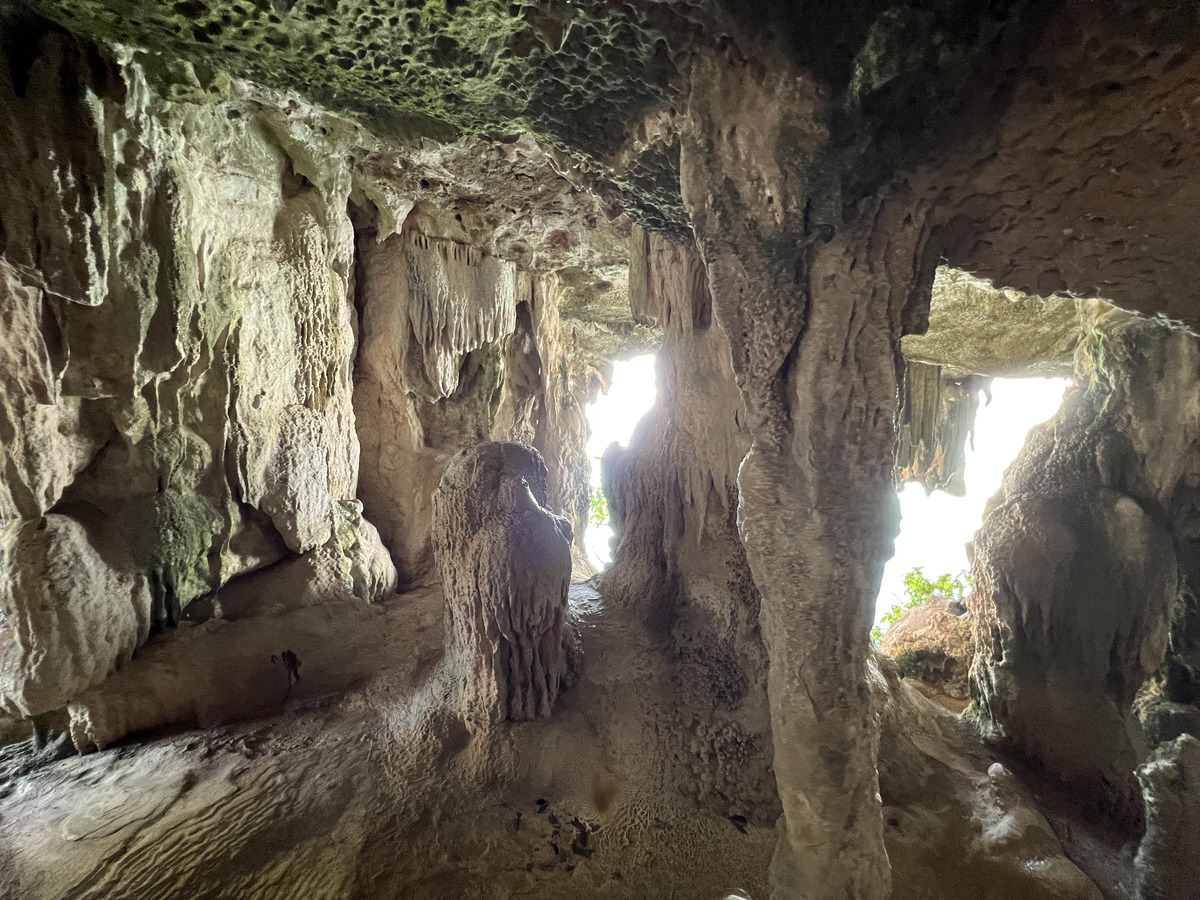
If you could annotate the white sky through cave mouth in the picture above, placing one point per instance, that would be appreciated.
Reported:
(935, 529)
(613, 417)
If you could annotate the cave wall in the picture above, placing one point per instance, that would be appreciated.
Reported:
(186, 280)
(177, 277)
(1085, 567)
(209, 292)
(457, 347)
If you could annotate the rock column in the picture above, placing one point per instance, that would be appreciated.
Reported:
(813, 313)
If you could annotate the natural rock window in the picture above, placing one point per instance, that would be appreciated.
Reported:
(936, 526)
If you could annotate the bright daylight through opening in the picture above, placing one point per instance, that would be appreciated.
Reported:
(612, 418)
(935, 528)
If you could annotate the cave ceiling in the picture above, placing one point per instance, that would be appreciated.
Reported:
(1051, 140)
(592, 78)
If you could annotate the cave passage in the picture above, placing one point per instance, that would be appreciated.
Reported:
(935, 527)
(612, 419)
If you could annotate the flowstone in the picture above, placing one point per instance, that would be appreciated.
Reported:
(505, 560)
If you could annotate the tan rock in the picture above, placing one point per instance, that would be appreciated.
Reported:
(505, 561)
(933, 649)
(1078, 577)
(958, 823)
(72, 614)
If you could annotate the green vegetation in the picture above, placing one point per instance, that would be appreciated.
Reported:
(597, 507)
(920, 590)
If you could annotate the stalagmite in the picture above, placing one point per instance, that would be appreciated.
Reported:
(505, 561)
(302, 303)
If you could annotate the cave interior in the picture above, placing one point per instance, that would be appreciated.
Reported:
(302, 306)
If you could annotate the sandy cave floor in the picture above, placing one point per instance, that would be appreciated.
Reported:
(382, 793)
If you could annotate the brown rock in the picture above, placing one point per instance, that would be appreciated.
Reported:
(505, 561)
(957, 822)
(1083, 557)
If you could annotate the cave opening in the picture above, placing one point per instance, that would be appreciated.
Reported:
(612, 419)
(936, 526)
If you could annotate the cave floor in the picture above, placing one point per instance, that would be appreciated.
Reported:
(381, 793)
(382, 790)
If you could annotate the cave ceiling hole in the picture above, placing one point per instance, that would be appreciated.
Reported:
(935, 527)
(612, 418)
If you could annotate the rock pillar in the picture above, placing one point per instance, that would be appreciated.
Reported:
(813, 312)
(505, 561)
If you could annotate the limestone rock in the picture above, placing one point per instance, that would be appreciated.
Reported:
(976, 328)
(937, 419)
(204, 674)
(72, 613)
(505, 561)
(1168, 867)
(45, 442)
(456, 348)
(958, 823)
(352, 565)
(679, 564)
(933, 649)
(1080, 587)
(1163, 721)
(1083, 557)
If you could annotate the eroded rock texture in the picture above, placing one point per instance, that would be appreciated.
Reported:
(679, 564)
(505, 561)
(182, 346)
(70, 614)
(1083, 555)
(458, 347)
(933, 647)
(177, 281)
(937, 418)
(975, 328)
(957, 822)
(213, 293)
(814, 323)
(1166, 862)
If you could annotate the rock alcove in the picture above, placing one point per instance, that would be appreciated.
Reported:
(302, 307)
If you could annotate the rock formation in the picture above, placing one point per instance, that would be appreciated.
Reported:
(1166, 863)
(1079, 561)
(272, 272)
(937, 415)
(933, 647)
(679, 564)
(505, 561)
(72, 616)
